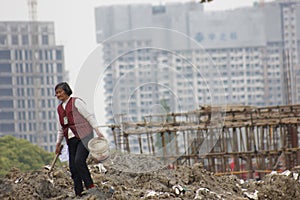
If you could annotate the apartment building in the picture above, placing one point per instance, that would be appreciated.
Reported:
(31, 64)
(175, 57)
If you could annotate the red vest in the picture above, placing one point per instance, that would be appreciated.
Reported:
(76, 122)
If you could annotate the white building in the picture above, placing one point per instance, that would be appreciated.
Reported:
(195, 58)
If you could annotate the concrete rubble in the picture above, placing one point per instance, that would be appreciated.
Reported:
(184, 182)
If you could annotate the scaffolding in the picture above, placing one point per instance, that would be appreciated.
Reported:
(244, 140)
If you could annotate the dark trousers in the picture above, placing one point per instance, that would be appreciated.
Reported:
(78, 153)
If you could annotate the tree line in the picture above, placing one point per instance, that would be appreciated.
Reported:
(21, 154)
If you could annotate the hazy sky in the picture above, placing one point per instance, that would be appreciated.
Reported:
(75, 26)
(74, 22)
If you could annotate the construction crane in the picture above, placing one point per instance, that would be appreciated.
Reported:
(205, 1)
(33, 34)
(32, 9)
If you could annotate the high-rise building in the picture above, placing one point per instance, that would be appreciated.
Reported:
(289, 10)
(246, 56)
(31, 64)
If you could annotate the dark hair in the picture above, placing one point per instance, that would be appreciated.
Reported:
(65, 86)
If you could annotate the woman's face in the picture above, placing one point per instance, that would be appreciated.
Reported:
(61, 94)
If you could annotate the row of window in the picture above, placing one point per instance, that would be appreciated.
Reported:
(7, 115)
(30, 81)
(43, 68)
(7, 128)
(5, 80)
(44, 103)
(48, 54)
(24, 27)
(33, 127)
(27, 103)
(24, 40)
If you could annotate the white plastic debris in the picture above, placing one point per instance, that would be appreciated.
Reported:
(19, 180)
(242, 181)
(178, 189)
(154, 194)
(206, 191)
(286, 172)
(101, 168)
(51, 181)
(151, 193)
(295, 176)
(199, 191)
(252, 196)
(273, 172)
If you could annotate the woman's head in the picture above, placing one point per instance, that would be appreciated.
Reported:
(63, 91)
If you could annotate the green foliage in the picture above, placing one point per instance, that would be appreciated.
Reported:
(22, 154)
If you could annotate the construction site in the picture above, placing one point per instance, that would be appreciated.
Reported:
(246, 141)
(213, 152)
(232, 152)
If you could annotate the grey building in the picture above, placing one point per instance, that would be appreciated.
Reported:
(246, 56)
(30, 66)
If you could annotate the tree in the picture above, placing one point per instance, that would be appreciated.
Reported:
(20, 153)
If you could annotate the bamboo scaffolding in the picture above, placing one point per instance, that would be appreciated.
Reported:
(242, 138)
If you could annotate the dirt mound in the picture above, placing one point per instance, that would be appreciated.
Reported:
(182, 183)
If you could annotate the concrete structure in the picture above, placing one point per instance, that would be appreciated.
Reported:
(246, 56)
(31, 64)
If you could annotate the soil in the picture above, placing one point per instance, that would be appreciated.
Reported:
(184, 182)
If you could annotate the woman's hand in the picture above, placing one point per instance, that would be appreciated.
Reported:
(58, 149)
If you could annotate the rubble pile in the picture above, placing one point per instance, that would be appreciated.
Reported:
(185, 182)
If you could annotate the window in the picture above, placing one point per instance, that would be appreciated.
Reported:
(59, 68)
(5, 67)
(3, 39)
(20, 54)
(13, 28)
(46, 55)
(6, 103)
(45, 40)
(25, 39)
(58, 55)
(158, 9)
(35, 40)
(5, 92)
(14, 40)
(40, 54)
(24, 29)
(7, 115)
(5, 54)
(7, 127)
(5, 80)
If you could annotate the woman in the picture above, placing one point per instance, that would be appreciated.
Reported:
(76, 126)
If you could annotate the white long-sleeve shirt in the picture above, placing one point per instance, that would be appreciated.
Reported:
(82, 109)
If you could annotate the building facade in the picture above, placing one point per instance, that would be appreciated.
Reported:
(31, 64)
(246, 56)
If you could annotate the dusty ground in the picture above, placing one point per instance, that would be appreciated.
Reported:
(193, 183)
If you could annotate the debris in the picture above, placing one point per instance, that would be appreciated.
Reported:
(286, 173)
(188, 182)
(19, 180)
(178, 189)
(101, 168)
(252, 196)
